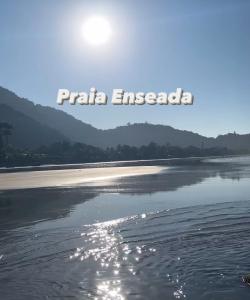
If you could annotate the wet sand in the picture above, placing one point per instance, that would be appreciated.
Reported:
(56, 178)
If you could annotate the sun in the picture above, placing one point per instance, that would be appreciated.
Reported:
(97, 30)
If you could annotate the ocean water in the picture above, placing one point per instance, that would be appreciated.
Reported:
(181, 234)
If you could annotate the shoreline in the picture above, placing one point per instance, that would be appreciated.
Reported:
(88, 174)
(70, 177)
(108, 164)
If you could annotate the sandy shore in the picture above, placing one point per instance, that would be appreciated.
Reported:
(56, 178)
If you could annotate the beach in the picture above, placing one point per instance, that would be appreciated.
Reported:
(56, 178)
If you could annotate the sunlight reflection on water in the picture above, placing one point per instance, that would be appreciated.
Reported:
(106, 253)
(114, 258)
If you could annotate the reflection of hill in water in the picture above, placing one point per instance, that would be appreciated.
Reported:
(27, 206)
(172, 178)
(20, 208)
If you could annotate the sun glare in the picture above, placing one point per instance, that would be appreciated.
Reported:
(97, 31)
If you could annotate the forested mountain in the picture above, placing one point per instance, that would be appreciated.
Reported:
(58, 120)
(35, 125)
(28, 133)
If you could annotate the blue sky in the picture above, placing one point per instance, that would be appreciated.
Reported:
(201, 46)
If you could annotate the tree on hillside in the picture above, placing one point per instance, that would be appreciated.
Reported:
(1, 142)
(5, 133)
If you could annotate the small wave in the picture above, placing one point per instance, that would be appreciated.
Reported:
(185, 253)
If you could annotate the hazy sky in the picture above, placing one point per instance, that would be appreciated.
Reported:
(201, 46)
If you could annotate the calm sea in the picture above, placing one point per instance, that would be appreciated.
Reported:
(181, 234)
